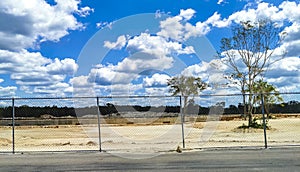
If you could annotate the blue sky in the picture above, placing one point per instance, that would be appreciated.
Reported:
(56, 48)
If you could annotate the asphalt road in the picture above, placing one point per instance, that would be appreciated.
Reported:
(277, 159)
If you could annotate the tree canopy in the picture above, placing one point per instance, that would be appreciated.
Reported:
(186, 86)
(249, 53)
(269, 92)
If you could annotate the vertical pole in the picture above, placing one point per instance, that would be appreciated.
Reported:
(264, 120)
(13, 125)
(182, 121)
(99, 129)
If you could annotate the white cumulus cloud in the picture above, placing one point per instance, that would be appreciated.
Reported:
(25, 24)
(30, 70)
(178, 28)
(119, 44)
(9, 91)
(157, 45)
(156, 80)
(187, 14)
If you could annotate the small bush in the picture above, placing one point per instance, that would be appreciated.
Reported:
(254, 124)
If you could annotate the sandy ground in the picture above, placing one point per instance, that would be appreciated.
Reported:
(149, 139)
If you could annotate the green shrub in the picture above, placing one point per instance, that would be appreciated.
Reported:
(255, 124)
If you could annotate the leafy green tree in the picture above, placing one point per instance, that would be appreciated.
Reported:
(249, 53)
(270, 95)
(187, 87)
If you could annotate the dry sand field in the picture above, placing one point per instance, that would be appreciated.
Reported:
(148, 138)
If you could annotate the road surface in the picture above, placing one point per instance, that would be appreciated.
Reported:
(276, 159)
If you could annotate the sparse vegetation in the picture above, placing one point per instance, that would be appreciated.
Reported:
(269, 93)
(187, 87)
(37, 112)
(254, 124)
(249, 53)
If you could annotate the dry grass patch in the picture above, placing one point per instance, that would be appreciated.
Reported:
(198, 125)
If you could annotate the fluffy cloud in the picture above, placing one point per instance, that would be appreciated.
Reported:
(58, 67)
(156, 52)
(120, 43)
(286, 11)
(20, 62)
(149, 44)
(178, 28)
(140, 62)
(285, 74)
(125, 71)
(157, 45)
(286, 14)
(23, 28)
(157, 91)
(147, 52)
(31, 70)
(82, 86)
(26, 24)
(80, 81)
(107, 75)
(292, 40)
(187, 14)
(157, 80)
(24, 62)
(121, 89)
(9, 91)
(211, 72)
(151, 52)
(58, 89)
(290, 11)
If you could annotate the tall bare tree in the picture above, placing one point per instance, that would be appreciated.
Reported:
(249, 53)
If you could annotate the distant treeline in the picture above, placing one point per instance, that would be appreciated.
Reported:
(27, 111)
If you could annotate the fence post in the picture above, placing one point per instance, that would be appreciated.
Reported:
(13, 125)
(182, 123)
(264, 120)
(99, 128)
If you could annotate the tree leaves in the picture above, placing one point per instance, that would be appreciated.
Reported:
(186, 85)
(249, 53)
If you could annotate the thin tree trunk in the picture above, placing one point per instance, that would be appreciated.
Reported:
(185, 107)
(244, 105)
(250, 108)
